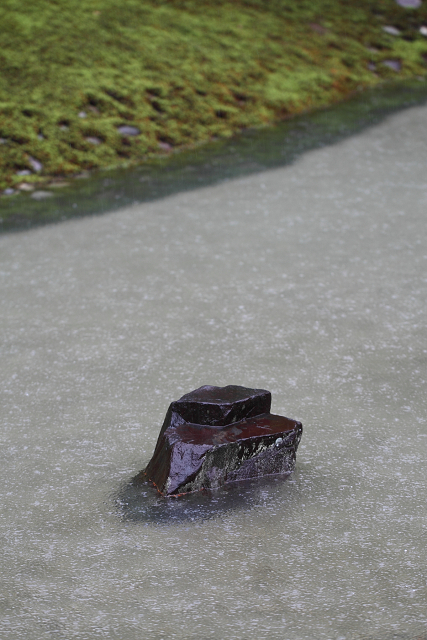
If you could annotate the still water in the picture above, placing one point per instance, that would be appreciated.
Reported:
(308, 279)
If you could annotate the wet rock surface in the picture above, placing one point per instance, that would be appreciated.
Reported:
(216, 435)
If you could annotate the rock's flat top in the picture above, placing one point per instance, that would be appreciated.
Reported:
(219, 406)
(264, 425)
(221, 395)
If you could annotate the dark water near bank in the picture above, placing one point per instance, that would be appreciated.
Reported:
(247, 153)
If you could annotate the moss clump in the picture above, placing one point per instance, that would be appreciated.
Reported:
(180, 71)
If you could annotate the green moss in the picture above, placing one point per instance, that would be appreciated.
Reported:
(181, 71)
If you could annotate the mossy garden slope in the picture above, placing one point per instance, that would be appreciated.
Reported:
(73, 72)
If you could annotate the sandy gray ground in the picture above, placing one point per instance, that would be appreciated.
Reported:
(308, 280)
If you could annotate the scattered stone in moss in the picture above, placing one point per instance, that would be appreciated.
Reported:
(93, 140)
(423, 31)
(23, 172)
(35, 164)
(41, 195)
(82, 114)
(392, 31)
(127, 130)
(395, 65)
(25, 186)
(9, 192)
(409, 4)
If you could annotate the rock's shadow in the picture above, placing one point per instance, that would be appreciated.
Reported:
(139, 501)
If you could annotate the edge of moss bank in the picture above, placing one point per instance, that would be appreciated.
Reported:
(167, 75)
(242, 155)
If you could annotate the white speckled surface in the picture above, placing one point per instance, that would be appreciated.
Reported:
(308, 280)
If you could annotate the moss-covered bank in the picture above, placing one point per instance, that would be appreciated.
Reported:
(180, 72)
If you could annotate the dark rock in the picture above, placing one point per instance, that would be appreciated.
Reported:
(216, 435)
(127, 130)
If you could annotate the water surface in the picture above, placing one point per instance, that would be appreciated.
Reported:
(308, 279)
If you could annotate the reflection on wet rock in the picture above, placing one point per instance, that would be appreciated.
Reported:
(217, 435)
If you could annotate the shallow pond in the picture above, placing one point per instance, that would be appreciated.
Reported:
(307, 278)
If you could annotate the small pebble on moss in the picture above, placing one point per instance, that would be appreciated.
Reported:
(36, 165)
(25, 186)
(126, 130)
(395, 65)
(392, 31)
(41, 195)
(409, 4)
